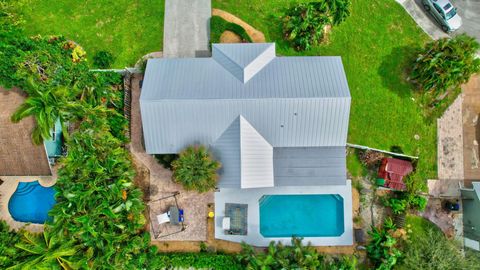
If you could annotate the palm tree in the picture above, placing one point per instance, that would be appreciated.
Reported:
(48, 251)
(46, 106)
(195, 169)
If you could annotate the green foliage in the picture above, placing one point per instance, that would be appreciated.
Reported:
(430, 249)
(97, 203)
(381, 249)
(196, 169)
(9, 254)
(218, 25)
(49, 251)
(446, 63)
(296, 256)
(303, 24)
(166, 160)
(103, 59)
(398, 206)
(196, 261)
(278, 256)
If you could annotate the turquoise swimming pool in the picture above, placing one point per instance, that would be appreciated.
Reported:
(31, 202)
(301, 215)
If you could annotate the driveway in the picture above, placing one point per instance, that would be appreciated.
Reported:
(469, 10)
(187, 28)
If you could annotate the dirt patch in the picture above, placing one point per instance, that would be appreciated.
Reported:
(255, 35)
(230, 37)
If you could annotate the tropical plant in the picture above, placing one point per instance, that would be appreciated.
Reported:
(46, 106)
(296, 256)
(9, 254)
(303, 24)
(196, 169)
(381, 249)
(446, 63)
(49, 251)
(398, 206)
(278, 256)
(103, 59)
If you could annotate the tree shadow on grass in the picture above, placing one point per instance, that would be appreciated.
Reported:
(395, 69)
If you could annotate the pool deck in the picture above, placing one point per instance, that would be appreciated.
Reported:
(8, 187)
(252, 196)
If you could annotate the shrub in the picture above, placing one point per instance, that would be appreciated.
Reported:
(9, 254)
(103, 59)
(196, 169)
(296, 256)
(303, 24)
(381, 249)
(446, 63)
(398, 206)
(218, 25)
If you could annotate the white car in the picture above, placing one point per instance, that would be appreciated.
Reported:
(444, 13)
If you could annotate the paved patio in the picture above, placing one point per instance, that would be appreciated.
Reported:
(194, 204)
(8, 187)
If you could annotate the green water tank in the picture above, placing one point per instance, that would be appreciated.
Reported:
(380, 182)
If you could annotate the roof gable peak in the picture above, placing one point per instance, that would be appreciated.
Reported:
(242, 60)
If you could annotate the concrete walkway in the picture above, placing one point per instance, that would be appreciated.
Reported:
(415, 9)
(187, 28)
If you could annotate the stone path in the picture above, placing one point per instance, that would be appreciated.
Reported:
(194, 204)
(255, 35)
(187, 28)
(450, 142)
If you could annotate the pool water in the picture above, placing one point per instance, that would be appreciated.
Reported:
(301, 215)
(31, 202)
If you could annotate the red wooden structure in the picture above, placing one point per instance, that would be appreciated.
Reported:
(393, 170)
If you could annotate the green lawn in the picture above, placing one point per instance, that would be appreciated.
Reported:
(128, 29)
(375, 43)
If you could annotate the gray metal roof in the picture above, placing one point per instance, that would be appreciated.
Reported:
(291, 101)
(243, 61)
(309, 166)
(247, 158)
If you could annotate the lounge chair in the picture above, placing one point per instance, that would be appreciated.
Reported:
(163, 218)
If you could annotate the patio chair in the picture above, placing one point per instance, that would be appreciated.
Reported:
(163, 218)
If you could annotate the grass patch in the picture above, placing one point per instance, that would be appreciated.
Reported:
(376, 44)
(127, 29)
(218, 25)
(418, 226)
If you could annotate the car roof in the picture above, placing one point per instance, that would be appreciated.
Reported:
(443, 3)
